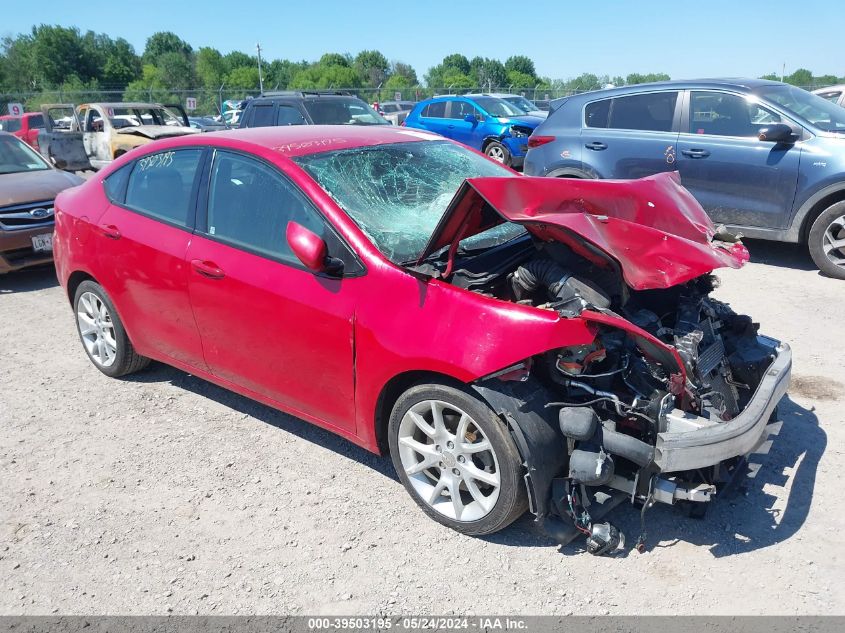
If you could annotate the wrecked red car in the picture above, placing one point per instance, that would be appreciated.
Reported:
(514, 343)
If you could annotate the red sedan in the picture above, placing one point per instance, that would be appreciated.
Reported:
(512, 342)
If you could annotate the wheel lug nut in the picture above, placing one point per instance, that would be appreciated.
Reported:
(461, 458)
(450, 445)
(456, 472)
(437, 448)
(442, 465)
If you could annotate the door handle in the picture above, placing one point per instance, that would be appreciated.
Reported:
(110, 231)
(596, 146)
(207, 269)
(695, 153)
(451, 127)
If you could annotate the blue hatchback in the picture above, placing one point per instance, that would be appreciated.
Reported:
(491, 125)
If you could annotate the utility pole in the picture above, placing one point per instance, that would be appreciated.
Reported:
(260, 77)
(782, 71)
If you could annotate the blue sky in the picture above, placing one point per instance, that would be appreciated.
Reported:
(683, 38)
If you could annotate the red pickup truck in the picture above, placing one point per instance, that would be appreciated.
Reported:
(25, 126)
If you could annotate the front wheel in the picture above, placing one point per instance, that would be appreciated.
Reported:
(102, 334)
(456, 459)
(498, 152)
(827, 241)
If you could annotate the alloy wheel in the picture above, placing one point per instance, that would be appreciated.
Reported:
(833, 241)
(496, 153)
(96, 329)
(449, 460)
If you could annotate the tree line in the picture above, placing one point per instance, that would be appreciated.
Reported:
(51, 60)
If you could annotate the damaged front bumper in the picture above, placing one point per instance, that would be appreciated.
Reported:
(692, 442)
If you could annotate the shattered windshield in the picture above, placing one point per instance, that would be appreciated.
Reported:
(498, 107)
(397, 193)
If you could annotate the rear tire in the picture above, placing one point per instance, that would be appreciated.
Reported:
(826, 241)
(102, 334)
(443, 441)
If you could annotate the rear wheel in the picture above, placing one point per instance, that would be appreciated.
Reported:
(456, 459)
(827, 241)
(498, 152)
(102, 334)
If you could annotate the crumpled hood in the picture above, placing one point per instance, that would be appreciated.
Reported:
(157, 131)
(652, 227)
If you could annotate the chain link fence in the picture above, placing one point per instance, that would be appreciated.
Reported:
(211, 102)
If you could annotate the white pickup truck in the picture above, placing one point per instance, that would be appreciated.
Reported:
(95, 134)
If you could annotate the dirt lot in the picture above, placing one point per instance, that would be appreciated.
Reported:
(162, 493)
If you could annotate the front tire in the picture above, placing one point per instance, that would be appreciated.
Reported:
(498, 152)
(456, 459)
(827, 241)
(102, 333)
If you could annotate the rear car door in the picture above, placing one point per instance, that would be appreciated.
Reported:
(140, 244)
(433, 118)
(268, 324)
(737, 178)
(631, 136)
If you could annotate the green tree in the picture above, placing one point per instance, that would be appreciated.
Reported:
(801, 77)
(323, 76)
(280, 72)
(335, 59)
(150, 87)
(176, 71)
(637, 78)
(18, 64)
(520, 64)
(404, 70)
(520, 81)
(209, 67)
(58, 53)
(237, 59)
(243, 78)
(487, 72)
(458, 62)
(165, 42)
(372, 66)
(121, 64)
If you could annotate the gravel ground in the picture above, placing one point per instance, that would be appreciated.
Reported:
(163, 493)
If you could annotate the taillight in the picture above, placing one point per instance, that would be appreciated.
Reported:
(537, 141)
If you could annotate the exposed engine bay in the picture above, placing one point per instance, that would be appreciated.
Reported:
(683, 362)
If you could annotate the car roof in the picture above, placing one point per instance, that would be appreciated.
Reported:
(736, 83)
(300, 140)
(829, 88)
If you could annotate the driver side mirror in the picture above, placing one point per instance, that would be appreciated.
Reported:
(311, 250)
(470, 118)
(778, 133)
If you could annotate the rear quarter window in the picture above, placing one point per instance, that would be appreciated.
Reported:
(436, 110)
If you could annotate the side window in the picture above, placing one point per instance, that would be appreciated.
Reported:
(262, 115)
(250, 205)
(651, 112)
(436, 110)
(596, 113)
(36, 122)
(830, 96)
(115, 184)
(10, 125)
(722, 114)
(160, 185)
(459, 109)
(289, 115)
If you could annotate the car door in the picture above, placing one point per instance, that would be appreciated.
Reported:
(631, 136)
(433, 118)
(140, 244)
(459, 128)
(737, 178)
(268, 324)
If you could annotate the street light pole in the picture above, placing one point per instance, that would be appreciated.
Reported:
(260, 77)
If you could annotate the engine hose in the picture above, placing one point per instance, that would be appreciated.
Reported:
(540, 273)
(630, 448)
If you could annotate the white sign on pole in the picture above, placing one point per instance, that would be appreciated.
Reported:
(16, 109)
(190, 103)
(397, 96)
